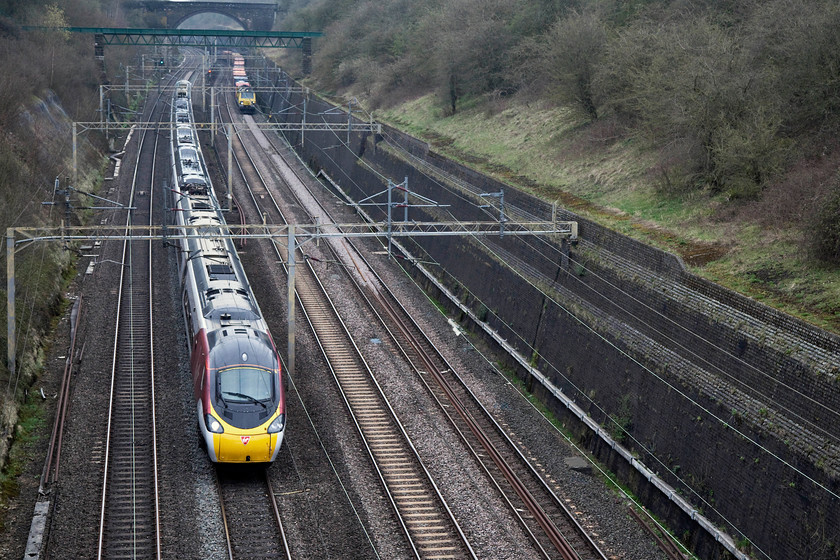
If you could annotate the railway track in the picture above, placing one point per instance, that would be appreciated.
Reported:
(252, 522)
(50, 472)
(552, 527)
(663, 540)
(129, 518)
(129, 524)
(423, 513)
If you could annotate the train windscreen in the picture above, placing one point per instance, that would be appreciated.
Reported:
(246, 384)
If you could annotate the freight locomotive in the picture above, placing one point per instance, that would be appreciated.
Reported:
(236, 374)
(246, 99)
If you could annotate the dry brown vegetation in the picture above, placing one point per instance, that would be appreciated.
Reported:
(50, 78)
(736, 104)
(734, 93)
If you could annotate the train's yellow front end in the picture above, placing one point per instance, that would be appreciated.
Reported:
(237, 445)
(248, 448)
(247, 100)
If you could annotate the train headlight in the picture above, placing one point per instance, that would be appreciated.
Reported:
(213, 425)
(278, 424)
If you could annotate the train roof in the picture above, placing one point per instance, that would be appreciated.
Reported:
(220, 279)
(224, 295)
(182, 88)
(227, 304)
(235, 345)
(184, 135)
(190, 161)
(193, 179)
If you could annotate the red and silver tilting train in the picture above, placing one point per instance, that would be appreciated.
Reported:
(246, 99)
(237, 381)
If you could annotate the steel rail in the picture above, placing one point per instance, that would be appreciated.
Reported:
(664, 541)
(398, 320)
(49, 473)
(444, 374)
(273, 497)
(377, 424)
(232, 530)
(117, 325)
(228, 540)
(417, 339)
(410, 331)
(130, 479)
(244, 500)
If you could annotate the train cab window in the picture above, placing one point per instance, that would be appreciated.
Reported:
(246, 384)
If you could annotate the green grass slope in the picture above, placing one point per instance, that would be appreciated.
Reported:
(601, 172)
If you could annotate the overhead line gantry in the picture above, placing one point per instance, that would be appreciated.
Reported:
(203, 38)
(191, 37)
(18, 238)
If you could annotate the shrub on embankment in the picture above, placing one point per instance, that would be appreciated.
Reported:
(708, 129)
(50, 79)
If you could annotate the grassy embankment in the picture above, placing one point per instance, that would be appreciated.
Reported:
(614, 181)
(31, 427)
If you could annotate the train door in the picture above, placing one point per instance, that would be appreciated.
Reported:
(198, 364)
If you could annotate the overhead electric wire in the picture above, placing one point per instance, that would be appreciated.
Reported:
(713, 366)
(718, 368)
(30, 299)
(493, 365)
(644, 367)
(767, 398)
(332, 466)
(550, 298)
(331, 463)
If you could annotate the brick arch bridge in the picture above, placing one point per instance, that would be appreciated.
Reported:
(251, 16)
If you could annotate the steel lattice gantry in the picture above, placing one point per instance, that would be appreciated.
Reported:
(204, 38)
(230, 128)
(192, 37)
(21, 237)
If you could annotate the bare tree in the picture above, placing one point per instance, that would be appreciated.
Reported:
(56, 38)
(569, 58)
(470, 42)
